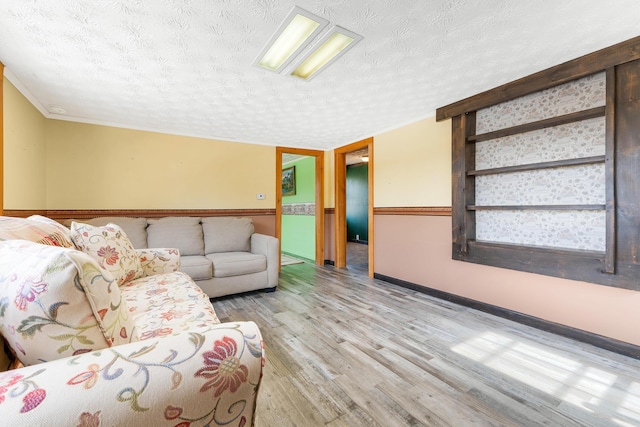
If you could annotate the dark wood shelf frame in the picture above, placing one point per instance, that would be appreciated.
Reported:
(618, 265)
(610, 172)
(541, 249)
(538, 166)
(537, 208)
(578, 116)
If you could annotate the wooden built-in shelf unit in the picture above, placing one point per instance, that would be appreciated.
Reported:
(546, 171)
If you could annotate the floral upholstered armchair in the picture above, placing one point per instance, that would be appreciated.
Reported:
(102, 342)
(188, 379)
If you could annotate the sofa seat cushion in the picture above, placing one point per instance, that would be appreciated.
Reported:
(226, 264)
(197, 267)
(57, 302)
(168, 303)
(182, 233)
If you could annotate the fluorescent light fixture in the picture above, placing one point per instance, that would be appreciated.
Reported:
(365, 158)
(293, 35)
(331, 47)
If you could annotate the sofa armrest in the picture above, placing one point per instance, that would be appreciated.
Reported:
(268, 246)
(159, 260)
(206, 378)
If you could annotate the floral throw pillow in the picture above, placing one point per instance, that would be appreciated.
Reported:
(110, 247)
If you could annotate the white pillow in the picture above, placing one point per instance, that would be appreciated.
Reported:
(35, 229)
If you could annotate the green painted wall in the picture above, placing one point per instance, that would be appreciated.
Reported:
(358, 202)
(299, 235)
(298, 231)
(305, 181)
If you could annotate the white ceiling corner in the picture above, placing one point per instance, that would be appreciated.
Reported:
(185, 66)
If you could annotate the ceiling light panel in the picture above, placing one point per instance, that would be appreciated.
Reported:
(294, 34)
(331, 47)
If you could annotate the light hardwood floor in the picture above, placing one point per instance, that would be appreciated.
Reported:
(346, 350)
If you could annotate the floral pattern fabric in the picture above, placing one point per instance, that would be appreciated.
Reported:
(209, 378)
(110, 247)
(159, 260)
(149, 352)
(57, 302)
(167, 303)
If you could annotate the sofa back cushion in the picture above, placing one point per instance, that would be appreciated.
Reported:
(110, 247)
(183, 233)
(227, 234)
(37, 229)
(57, 302)
(135, 228)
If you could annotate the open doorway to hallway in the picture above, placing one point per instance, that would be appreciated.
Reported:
(357, 202)
(358, 150)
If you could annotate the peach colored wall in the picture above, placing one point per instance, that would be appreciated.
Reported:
(25, 166)
(100, 167)
(329, 237)
(264, 224)
(417, 249)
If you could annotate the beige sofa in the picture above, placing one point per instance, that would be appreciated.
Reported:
(223, 255)
(112, 335)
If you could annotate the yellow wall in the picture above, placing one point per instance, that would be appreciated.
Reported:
(99, 167)
(25, 166)
(413, 165)
(53, 164)
(329, 180)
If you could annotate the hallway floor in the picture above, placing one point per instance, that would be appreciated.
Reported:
(358, 257)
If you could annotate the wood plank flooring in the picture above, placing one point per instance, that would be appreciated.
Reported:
(346, 350)
(358, 257)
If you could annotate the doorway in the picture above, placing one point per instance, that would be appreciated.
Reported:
(284, 187)
(357, 149)
(297, 238)
(357, 204)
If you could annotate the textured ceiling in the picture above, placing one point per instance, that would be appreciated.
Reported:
(184, 67)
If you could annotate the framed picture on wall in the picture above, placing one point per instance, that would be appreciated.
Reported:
(289, 181)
